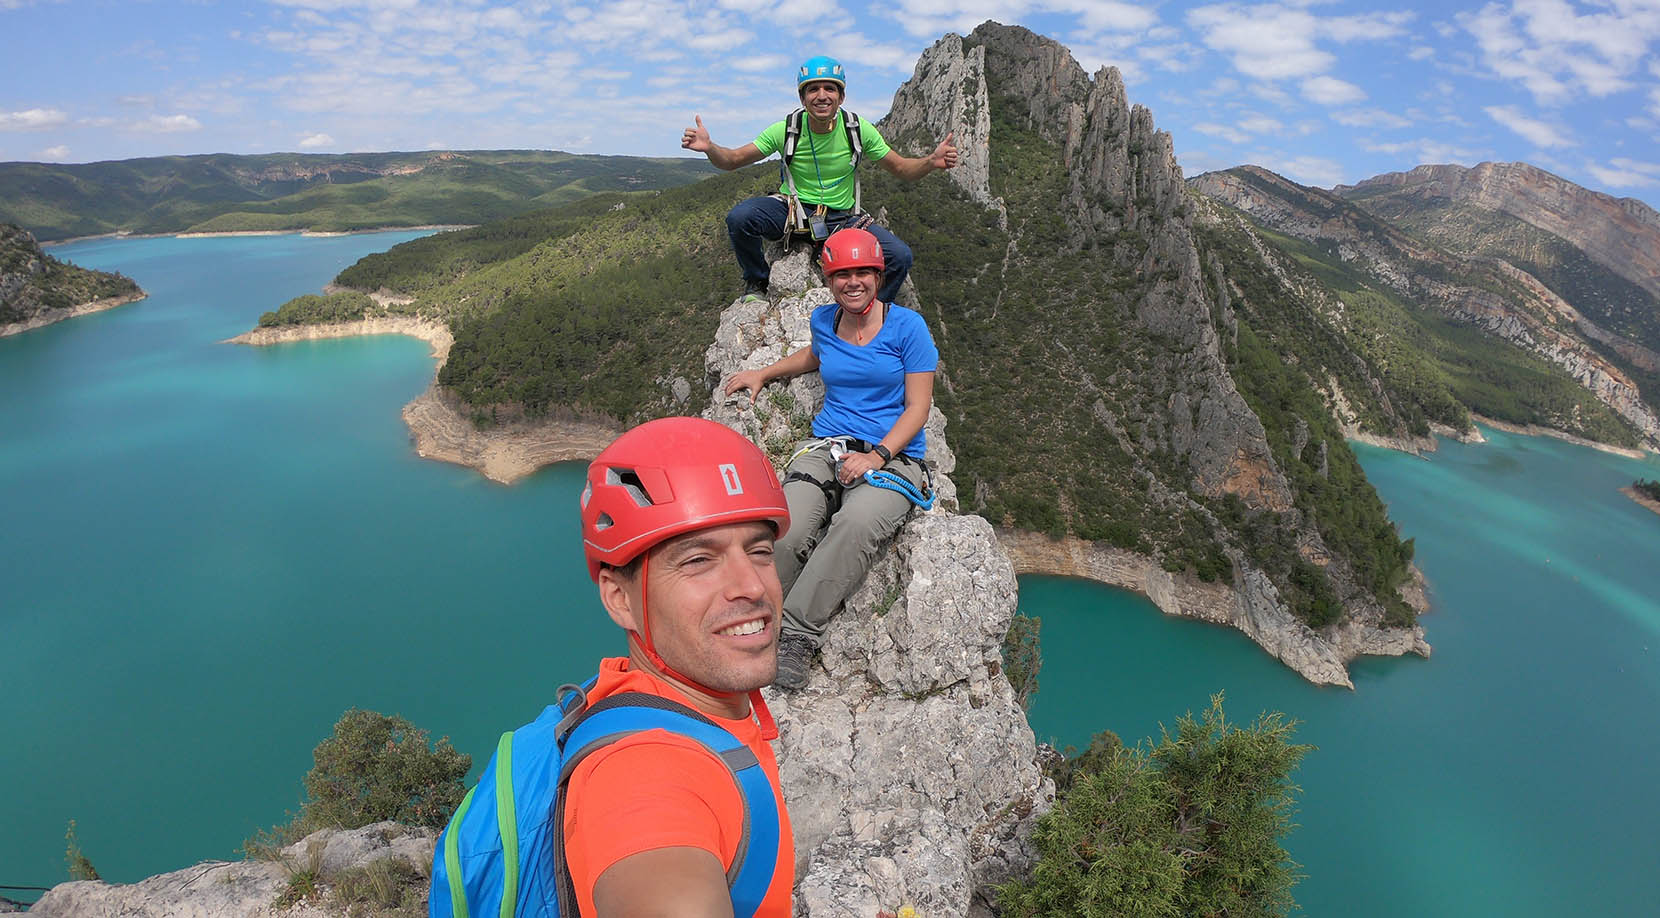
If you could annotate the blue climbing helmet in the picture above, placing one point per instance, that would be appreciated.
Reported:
(820, 68)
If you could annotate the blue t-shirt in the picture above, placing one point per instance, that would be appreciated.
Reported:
(864, 387)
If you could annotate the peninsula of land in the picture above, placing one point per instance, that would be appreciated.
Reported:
(37, 290)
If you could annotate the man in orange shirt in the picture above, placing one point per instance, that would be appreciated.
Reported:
(679, 517)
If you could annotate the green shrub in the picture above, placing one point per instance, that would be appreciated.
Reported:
(80, 866)
(373, 767)
(1190, 825)
(1022, 657)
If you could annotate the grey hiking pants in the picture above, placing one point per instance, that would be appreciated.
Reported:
(826, 553)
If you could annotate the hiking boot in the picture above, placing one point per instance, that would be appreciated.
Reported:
(754, 290)
(795, 655)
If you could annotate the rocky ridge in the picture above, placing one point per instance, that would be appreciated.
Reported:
(911, 774)
(1621, 234)
(1123, 194)
(1530, 316)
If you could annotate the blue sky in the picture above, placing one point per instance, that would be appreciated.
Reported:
(1323, 91)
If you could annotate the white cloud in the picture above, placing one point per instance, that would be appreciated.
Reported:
(1370, 118)
(1426, 150)
(1307, 170)
(1232, 135)
(1327, 90)
(1622, 172)
(931, 18)
(313, 141)
(55, 154)
(1421, 53)
(1534, 131)
(165, 124)
(1260, 124)
(34, 119)
(1272, 41)
(1556, 53)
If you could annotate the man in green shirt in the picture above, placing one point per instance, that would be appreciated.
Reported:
(821, 176)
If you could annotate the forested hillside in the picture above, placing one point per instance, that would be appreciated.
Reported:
(36, 286)
(1455, 331)
(321, 192)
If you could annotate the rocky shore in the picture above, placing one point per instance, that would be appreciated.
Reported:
(85, 309)
(1641, 498)
(1321, 657)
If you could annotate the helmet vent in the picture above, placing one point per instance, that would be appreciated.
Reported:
(630, 482)
(587, 494)
(604, 522)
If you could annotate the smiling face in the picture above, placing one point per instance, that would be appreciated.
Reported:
(822, 99)
(715, 606)
(855, 288)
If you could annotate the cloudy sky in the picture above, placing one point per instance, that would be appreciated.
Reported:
(1324, 91)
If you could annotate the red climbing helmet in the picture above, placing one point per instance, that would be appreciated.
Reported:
(672, 476)
(850, 248)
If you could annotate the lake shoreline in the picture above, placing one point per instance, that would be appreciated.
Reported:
(73, 312)
(439, 428)
(1641, 499)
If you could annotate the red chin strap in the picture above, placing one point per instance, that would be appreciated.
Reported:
(862, 311)
(757, 704)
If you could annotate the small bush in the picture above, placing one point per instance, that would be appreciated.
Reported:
(1190, 825)
(373, 767)
(1022, 656)
(80, 867)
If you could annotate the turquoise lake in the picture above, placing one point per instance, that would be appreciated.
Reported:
(210, 551)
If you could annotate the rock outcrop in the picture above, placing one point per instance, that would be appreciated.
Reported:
(251, 888)
(911, 774)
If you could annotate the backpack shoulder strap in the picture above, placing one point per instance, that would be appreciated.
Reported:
(855, 141)
(792, 132)
(619, 716)
(856, 149)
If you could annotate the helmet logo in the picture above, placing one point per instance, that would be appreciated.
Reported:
(729, 478)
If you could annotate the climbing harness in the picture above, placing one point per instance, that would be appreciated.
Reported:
(800, 222)
(923, 497)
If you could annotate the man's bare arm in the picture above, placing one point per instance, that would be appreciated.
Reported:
(664, 883)
(696, 139)
(910, 169)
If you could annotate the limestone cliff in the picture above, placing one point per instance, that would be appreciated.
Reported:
(1622, 234)
(1090, 355)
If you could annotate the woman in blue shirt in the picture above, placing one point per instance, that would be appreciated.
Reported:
(877, 360)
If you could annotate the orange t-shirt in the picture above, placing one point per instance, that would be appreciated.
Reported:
(661, 790)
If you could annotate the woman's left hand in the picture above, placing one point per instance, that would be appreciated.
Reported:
(855, 465)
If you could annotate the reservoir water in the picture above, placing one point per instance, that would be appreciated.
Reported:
(211, 551)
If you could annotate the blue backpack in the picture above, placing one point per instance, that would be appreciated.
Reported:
(503, 852)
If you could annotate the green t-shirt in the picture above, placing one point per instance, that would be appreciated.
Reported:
(823, 165)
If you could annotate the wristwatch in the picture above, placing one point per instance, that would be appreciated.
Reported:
(882, 451)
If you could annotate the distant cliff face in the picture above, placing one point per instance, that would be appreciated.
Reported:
(37, 289)
(1621, 234)
(1487, 291)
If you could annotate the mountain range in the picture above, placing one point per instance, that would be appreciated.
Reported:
(222, 192)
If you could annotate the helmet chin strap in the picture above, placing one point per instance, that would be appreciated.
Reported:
(650, 649)
(757, 704)
(871, 302)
